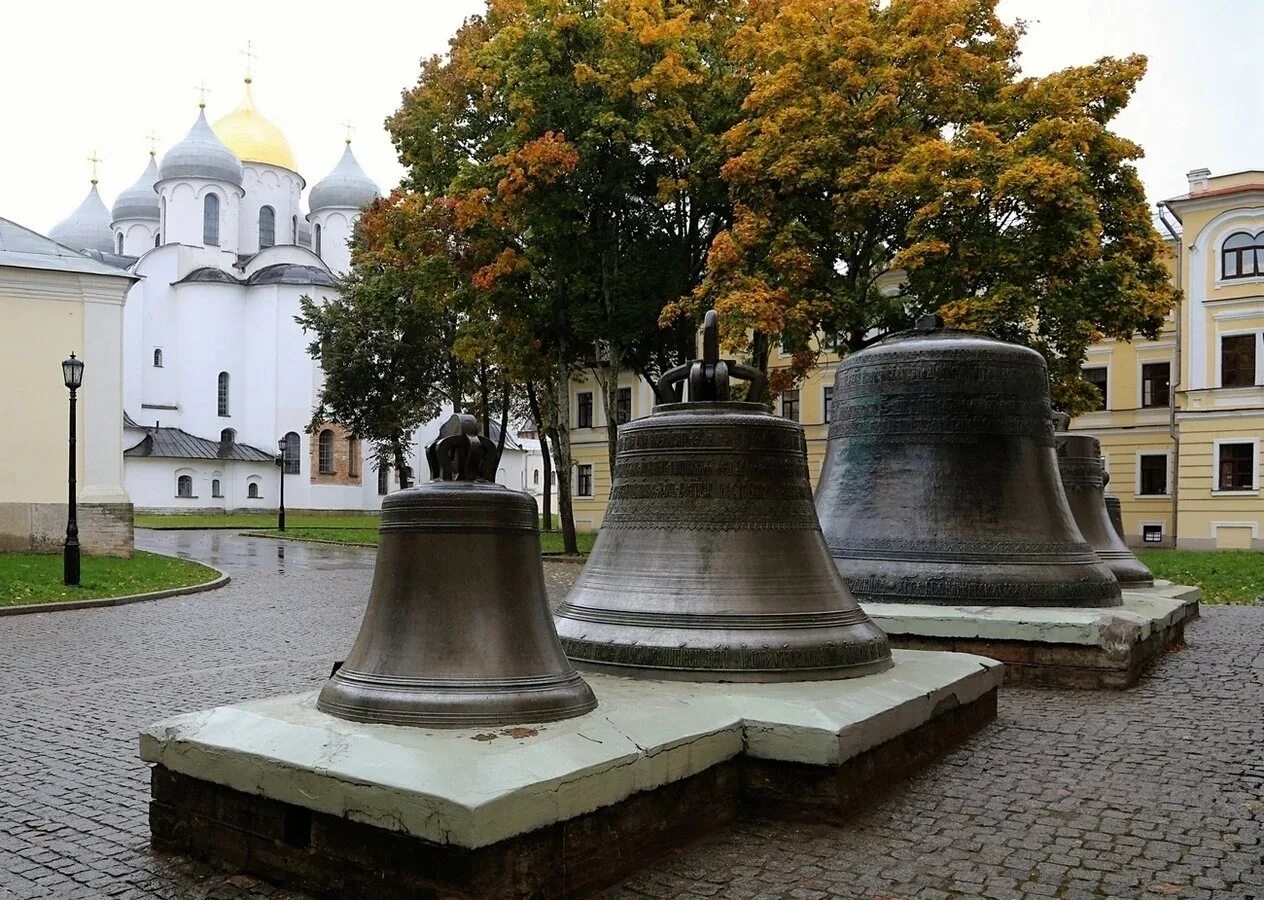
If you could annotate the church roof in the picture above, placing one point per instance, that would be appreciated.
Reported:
(278, 273)
(88, 227)
(208, 275)
(292, 273)
(252, 137)
(200, 154)
(140, 201)
(26, 249)
(176, 443)
(345, 186)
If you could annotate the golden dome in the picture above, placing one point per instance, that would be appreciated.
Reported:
(252, 137)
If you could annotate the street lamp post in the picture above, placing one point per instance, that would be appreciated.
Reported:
(72, 375)
(283, 444)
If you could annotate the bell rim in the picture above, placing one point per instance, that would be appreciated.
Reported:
(446, 703)
(748, 675)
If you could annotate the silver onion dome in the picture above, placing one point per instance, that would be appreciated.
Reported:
(346, 186)
(88, 227)
(140, 201)
(200, 154)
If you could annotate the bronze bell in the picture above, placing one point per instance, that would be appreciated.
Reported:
(710, 564)
(1115, 512)
(457, 632)
(940, 483)
(1084, 479)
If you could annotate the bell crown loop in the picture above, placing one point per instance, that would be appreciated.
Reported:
(461, 453)
(709, 376)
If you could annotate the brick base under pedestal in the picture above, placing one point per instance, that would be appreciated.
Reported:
(337, 857)
(1061, 665)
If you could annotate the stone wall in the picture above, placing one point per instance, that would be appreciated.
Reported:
(105, 529)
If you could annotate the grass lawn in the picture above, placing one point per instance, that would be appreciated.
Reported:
(550, 541)
(1226, 576)
(36, 577)
(258, 521)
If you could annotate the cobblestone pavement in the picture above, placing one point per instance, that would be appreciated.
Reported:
(1154, 792)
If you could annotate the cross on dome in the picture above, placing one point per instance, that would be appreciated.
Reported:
(95, 160)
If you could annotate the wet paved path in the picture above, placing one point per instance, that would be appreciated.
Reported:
(1154, 792)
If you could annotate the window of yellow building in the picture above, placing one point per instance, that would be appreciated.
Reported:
(584, 409)
(790, 405)
(623, 405)
(1156, 382)
(1237, 360)
(1235, 466)
(1152, 474)
(1096, 376)
(584, 479)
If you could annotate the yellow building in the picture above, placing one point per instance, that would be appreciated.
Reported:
(1182, 416)
(54, 301)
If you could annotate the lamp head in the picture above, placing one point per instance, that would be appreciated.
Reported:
(72, 372)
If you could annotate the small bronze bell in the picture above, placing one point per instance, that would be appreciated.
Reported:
(1115, 510)
(940, 483)
(457, 632)
(1084, 479)
(710, 564)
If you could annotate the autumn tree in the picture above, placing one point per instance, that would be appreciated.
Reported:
(579, 142)
(892, 161)
(385, 341)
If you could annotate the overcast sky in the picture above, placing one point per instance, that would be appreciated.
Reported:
(80, 76)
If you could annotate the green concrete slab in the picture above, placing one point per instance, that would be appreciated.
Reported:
(472, 788)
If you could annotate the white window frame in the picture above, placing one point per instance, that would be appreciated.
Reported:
(1136, 485)
(1255, 468)
(1162, 526)
(1218, 381)
(1088, 364)
(592, 481)
(1141, 364)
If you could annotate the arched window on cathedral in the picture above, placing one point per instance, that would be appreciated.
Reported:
(157, 357)
(184, 486)
(325, 452)
(210, 220)
(162, 219)
(120, 244)
(252, 490)
(158, 239)
(290, 456)
(267, 227)
(316, 236)
(294, 230)
(221, 397)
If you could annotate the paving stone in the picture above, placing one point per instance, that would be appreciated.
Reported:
(1151, 792)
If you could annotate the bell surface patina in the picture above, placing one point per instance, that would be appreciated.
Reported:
(710, 564)
(1084, 480)
(940, 483)
(457, 632)
(1115, 511)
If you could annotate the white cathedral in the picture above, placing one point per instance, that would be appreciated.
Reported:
(216, 372)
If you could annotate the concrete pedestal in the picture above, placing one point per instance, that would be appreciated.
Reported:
(279, 789)
(1083, 648)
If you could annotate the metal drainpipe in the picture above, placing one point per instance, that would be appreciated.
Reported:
(1175, 380)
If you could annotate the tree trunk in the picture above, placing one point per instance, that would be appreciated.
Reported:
(561, 435)
(401, 463)
(533, 402)
(504, 423)
(608, 379)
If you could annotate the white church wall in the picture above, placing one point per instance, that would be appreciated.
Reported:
(272, 186)
(152, 483)
(138, 236)
(183, 212)
(335, 231)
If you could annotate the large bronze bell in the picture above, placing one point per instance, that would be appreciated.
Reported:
(1115, 512)
(457, 632)
(940, 483)
(710, 564)
(1084, 480)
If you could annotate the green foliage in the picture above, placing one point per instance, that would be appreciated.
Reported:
(37, 577)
